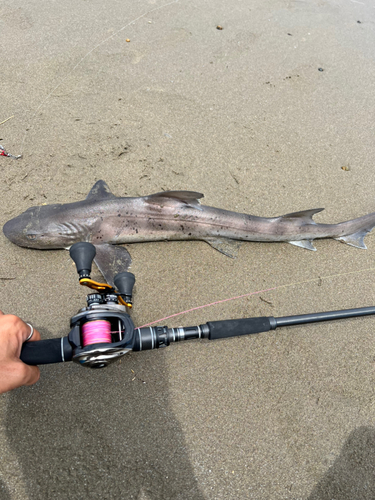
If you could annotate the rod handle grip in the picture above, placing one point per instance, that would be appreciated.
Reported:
(237, 327)
(43, 352)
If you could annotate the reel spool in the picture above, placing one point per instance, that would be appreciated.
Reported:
(96, 332)
(100, 334)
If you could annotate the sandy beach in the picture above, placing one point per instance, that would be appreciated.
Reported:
(272, 114)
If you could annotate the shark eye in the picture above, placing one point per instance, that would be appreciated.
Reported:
(31, 236)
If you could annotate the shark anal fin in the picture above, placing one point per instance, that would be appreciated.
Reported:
(225, 245)
(189, 198)
(100, 191)
(306, 215)
(355, 240)
(111, 260)
(303, 244)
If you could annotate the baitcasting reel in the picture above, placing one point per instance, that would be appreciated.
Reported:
(103, 331)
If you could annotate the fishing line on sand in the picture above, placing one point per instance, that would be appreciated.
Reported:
(257, 293)
(4, 121)
(82, 59)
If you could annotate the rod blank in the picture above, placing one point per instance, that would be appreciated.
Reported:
(324, 316)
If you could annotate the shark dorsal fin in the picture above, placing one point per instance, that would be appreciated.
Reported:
(306, 215)
(190, 198)
(100, 191)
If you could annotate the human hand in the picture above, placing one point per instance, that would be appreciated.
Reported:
(13, 372)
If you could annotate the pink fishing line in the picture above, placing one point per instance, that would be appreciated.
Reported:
(259, 291)
(96, 332)
(208, 305)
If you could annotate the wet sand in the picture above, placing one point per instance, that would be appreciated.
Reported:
(272, 114)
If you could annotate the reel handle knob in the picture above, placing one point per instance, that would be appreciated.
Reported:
(124, 283)
(83, 254)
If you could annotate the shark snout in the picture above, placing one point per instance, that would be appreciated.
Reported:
(23, 230)
(38, 228)
(15, 230)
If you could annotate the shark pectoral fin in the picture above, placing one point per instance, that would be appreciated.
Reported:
(111, 260)
(303, 244)
(100, 191)
(355, 240)
(224, 245)
(305, 215)
(189, 198)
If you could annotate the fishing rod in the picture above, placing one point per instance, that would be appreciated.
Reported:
(103, 331)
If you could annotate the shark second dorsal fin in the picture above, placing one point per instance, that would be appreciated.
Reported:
(306, 215)
(100, 191)
(189, 198)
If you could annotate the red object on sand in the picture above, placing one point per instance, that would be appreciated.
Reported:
(4, 153)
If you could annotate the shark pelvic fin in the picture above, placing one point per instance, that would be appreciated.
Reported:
(189, 198)
(100, 191)
(305, 215)
(355, 240)
(225, 245)
(303, 244)
(111, 260)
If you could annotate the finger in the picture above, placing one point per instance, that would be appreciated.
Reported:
(1, 313)
(36, 335)
(25, 374)
(15, 374)
(26, 333)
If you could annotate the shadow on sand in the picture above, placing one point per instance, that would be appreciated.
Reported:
(4, 494)
(103, 434)
(352, 476)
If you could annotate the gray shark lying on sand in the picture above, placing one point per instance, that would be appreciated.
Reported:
(106, 220)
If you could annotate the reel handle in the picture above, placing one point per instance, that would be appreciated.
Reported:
(124, 283)
(83, 254)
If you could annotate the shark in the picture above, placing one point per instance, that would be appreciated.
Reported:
(108, 221)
